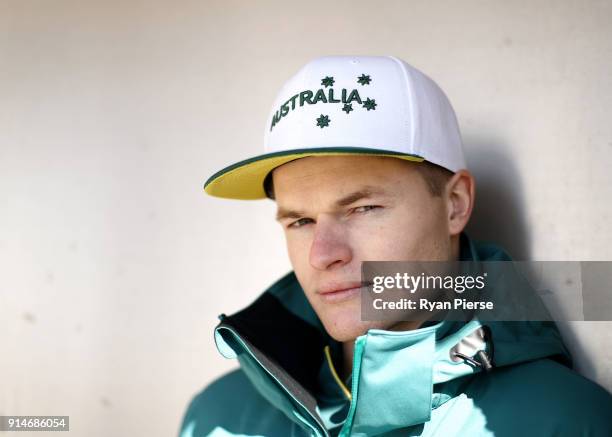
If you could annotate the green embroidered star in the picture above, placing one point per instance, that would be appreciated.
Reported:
(369, 104)
(323, 121)
(327, 81)
(348, 107)
(364, 79)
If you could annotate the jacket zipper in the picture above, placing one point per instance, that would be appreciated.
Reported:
(357, 354)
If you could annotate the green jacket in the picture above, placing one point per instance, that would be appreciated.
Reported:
(403, 383)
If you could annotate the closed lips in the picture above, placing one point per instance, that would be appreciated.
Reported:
(334, 288)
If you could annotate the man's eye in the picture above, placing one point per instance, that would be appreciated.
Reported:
(299, 223)
(365, 208)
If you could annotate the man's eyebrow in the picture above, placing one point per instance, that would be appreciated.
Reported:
(363, 193)
(283, 213)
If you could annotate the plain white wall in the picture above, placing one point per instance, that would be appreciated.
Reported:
(114, 264)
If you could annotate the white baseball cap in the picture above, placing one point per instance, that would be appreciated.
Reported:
(355, 105)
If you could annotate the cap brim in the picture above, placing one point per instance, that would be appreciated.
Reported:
(244, 180)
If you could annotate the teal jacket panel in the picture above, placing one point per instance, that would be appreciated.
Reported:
(403, 383)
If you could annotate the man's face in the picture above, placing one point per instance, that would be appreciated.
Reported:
(337, 211)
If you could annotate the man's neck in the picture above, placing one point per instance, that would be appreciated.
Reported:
(348, 348)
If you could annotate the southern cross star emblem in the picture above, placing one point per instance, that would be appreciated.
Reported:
(323, 121)
(327, 81)
(348, 107)
(369, 104)
(364, 79)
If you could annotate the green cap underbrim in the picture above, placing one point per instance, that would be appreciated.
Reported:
(244, 180)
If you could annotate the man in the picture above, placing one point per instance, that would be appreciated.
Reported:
(364, 161)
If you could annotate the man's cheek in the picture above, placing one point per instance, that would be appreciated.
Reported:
(299, 252)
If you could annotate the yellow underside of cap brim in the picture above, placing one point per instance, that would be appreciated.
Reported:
(244, 180)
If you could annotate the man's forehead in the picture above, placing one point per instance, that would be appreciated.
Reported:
(294, 206)
(337, 180)
(340, 169)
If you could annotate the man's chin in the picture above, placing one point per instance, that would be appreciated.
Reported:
(348, 330)
(342, 321)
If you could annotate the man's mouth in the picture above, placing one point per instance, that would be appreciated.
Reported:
(340, 291)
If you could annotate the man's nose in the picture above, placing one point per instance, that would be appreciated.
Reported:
(329, 247)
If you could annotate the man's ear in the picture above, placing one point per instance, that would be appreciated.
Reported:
(460, 192)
